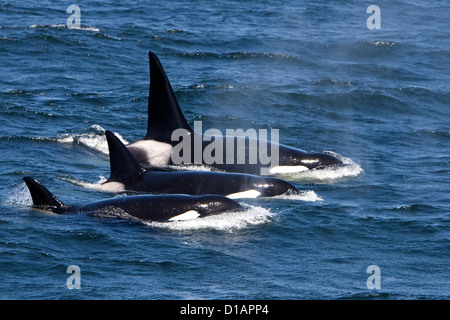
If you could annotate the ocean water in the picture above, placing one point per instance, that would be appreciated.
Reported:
(376, 98)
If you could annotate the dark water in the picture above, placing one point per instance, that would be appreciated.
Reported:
(379, 99)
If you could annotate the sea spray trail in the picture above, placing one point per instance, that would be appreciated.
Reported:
(351, 170)
(226, 222)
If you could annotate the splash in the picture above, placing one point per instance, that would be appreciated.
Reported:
(306, 196)
(328, 175)
(227, 221)
(19, 195)
(94, 139)
(86, 184)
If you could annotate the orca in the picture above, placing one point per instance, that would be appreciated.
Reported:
(128, 175)
(146, 207)
(165, 116)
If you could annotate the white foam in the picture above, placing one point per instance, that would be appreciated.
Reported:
(306, 196)
(227, 221)
(328, 174)
(35, 26)
(94, 139)
(383, 43)
(97, 186)
(84, 28)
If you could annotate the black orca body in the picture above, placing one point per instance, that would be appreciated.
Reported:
(165, 116)
(146, 207)
(128, 175)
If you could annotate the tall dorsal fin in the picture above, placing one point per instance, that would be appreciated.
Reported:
(42, 198)
(124, 166)
(164, 113)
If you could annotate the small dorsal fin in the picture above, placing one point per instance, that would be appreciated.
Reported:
(124, 166)
(42, 198)
(164, 113)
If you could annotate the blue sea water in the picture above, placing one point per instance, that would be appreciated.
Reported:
(377, 98)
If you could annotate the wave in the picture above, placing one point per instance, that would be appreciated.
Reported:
(62, 26)
(94, 139)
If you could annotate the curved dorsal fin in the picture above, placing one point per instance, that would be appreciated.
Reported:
(42, 198)
(124, 166)
(164, 113)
